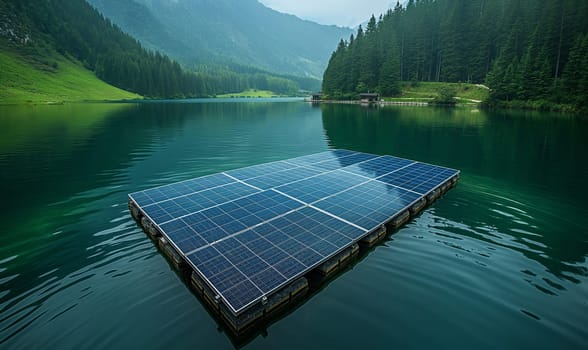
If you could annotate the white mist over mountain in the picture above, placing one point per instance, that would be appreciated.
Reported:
(346, 13)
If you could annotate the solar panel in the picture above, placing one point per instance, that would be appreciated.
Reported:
(378, 203)
(248, 232)
(419, 177)
(258, 170)
(326, 184)
(378, 166)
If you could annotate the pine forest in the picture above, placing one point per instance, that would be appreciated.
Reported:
(526, 51)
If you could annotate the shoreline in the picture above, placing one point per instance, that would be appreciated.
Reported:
(379, 103)
(531, 106)
(64, 102)
(416, 103)
(537, 106)
(142, 100)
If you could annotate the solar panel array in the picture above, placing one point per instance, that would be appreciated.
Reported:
(250, 231)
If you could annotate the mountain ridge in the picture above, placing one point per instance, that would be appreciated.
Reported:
(55, 40)
(227, 32)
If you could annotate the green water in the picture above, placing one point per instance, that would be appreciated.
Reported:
(499, 262)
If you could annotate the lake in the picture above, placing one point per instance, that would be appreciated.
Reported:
(499, 262)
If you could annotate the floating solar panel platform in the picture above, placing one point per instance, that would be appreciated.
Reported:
(248, 233)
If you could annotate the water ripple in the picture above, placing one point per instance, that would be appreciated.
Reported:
(505, 250)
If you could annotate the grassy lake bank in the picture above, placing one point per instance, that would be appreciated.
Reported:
(62, 81)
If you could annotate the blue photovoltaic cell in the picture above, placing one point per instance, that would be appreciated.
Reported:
(377, 204)
(332, 160)
(260, 170)
(250, 231)
(272, 253)
(167, 210)
(419, 177)
(344, 161)
(321, 157)
(327, 184)
(272, 180)
(162, 193)
(379, 166)
(211, 225)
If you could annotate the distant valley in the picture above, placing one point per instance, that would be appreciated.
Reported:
(68, 51)
(227, 32)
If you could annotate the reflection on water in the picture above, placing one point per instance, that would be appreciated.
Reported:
(501, 256)
(523, 178)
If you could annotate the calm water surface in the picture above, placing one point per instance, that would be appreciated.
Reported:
(499, 262)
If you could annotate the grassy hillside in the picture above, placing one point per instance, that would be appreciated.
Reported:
(426, 91)
(251, 93)
(23, 82)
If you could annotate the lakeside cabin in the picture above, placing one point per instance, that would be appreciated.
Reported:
(316, 97)
(369, 97)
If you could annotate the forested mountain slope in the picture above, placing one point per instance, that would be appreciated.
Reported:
(45, 33)
(244, 32)
(527, 50)
(74, 30)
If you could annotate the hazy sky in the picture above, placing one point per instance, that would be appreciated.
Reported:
(347, 13)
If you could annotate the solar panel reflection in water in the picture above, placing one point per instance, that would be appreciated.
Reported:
(248, 232)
